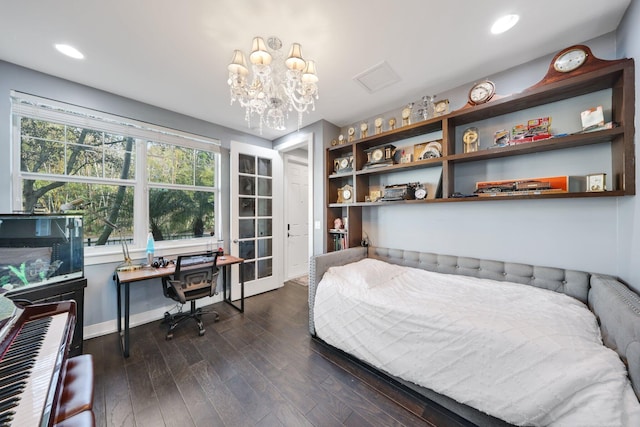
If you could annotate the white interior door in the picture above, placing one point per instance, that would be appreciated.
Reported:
(296, 217)
(256, 212)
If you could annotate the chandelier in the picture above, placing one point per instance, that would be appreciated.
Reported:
(278, 85)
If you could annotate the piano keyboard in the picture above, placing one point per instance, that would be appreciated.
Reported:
(26, 371)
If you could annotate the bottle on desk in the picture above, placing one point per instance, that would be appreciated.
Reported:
(150, 248)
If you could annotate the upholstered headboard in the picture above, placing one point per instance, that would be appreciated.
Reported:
(616, 307)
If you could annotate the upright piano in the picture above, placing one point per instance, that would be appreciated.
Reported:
(34, 346)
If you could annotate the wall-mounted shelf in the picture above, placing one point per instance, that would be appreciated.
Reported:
(615, 76)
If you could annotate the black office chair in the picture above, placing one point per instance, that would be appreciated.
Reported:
(195, 277)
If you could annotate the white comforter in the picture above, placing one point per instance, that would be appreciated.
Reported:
(522, 354)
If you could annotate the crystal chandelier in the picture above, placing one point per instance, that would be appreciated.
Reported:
(277, 86)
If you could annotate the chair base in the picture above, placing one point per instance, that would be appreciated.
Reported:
(195, 313)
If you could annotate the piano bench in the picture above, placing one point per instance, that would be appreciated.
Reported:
(77, 390)
(83, 419)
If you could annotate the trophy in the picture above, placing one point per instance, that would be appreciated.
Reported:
(427, 108)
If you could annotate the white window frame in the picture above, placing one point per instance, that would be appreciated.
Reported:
(25, 105)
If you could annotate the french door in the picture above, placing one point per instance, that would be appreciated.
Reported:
(256, 217)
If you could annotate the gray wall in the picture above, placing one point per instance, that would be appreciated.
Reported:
(628, 219)
(100, 307)
(323, 133)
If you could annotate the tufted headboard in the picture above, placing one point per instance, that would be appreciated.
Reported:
(616, 307)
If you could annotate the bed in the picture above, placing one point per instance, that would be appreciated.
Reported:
(578, 295)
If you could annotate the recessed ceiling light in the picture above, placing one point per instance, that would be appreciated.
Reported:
(69, 51)
(504, 24)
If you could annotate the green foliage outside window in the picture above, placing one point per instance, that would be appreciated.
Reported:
(79, 166)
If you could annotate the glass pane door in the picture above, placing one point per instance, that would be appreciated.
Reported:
(257, 229)
(255, 216)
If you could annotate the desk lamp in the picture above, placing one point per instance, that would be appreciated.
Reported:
(127, 265)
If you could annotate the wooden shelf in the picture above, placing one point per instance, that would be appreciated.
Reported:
(572, 195)
(420, 164)
(559, 143)
(617, 76)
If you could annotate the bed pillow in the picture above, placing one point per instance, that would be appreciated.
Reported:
(369, 272)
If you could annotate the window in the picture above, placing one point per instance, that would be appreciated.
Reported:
(126, 177)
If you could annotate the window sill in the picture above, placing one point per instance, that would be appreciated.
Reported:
(101, 255)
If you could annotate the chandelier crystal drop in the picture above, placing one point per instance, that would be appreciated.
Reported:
(275, 86)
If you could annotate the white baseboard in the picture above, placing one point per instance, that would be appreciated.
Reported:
(157, 314)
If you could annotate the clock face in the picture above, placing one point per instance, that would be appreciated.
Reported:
(344, 163)
(352, 131)
(340, 139)
(441, 107)
(482, 92)
(345, 193)
(364, 127)
(470, 136)
(378, 122)
(570, 60)
(406, 113)
(377, 154)
(420, 193)
(596, 182)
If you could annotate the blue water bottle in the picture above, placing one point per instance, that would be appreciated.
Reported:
(150, 248)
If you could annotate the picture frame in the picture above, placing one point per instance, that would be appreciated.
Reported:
(427, 150)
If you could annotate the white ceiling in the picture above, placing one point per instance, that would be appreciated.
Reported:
(174, 54)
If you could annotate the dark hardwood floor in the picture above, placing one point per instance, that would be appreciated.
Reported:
(257, 368)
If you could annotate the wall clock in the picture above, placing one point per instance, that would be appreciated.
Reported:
(343, 164)
(470, 139)
(378, 125)
(570, 59)
(351, 134)
(421, 192)
(441, 107)
(596, 182)
(364, 127)
(406, 114)
(345, 194)
(379, 156)
(573, 61)
(482, 92)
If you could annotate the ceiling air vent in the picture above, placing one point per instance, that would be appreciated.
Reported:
(377, 77)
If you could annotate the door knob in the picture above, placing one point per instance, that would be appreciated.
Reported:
(235, 241)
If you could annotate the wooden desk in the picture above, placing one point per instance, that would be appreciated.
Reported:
(125, 278)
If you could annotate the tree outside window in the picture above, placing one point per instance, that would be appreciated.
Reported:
(94, 171)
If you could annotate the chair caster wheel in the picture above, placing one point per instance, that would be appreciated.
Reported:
(169, 337)
(201, 333)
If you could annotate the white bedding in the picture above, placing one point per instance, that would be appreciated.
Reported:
(526, 355)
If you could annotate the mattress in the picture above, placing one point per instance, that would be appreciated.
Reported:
(526, 355)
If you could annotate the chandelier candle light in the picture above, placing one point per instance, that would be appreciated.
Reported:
(277, 86)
